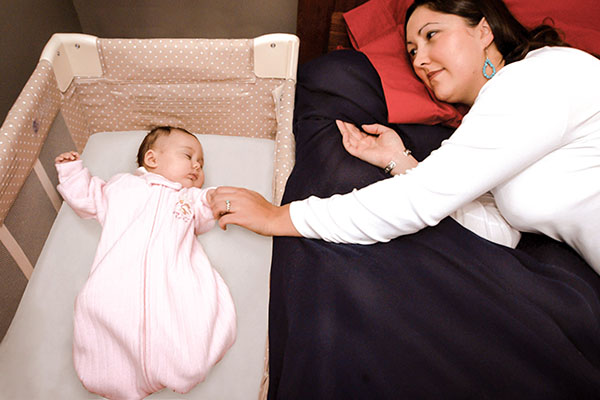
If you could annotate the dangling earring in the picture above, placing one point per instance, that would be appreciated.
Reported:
(487, 64)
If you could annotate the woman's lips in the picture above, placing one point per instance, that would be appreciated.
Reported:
(431, 75)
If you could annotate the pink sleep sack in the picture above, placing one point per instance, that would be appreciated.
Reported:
(153, 312)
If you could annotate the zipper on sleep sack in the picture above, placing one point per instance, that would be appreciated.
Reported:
(145, 322)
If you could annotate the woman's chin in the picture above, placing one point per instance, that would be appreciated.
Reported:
(442, 95)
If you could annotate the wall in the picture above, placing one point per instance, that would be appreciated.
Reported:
(186, 18)
(26, 26)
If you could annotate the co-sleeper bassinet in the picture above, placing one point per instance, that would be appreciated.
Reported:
(99, 95)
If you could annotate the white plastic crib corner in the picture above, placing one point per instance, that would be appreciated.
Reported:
(72, 54)
(276, 56)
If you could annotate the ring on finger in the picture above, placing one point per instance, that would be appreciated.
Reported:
(227, 206)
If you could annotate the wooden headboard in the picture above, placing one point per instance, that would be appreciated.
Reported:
(320, 26)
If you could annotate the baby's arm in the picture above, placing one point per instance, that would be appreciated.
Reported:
(81, 191)
(203, 215)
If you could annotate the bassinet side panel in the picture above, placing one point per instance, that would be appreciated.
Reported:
(285, 146)
(24, 131)
(29, 197)
(205, 85)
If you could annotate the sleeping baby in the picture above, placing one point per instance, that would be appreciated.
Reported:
(153, 312)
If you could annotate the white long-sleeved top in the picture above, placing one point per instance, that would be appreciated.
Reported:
(483, 217)
(532, 138)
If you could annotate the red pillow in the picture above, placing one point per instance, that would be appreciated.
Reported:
(377, 29)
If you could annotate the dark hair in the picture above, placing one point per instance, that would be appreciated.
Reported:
(512, 39)
(151, 138)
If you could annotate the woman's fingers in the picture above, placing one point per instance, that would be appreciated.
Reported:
(341, 126)
(376, 129)
(348, 139)
(245, 208)
(350, 130)
(347, 128)
(220, 200)
(353, 139)
(227, 200)
(229, 218)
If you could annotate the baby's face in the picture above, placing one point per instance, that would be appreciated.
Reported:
(180, 159)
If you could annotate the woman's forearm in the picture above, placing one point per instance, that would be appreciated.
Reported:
(282, 223)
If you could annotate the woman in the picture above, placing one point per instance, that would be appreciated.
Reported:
(467, 319)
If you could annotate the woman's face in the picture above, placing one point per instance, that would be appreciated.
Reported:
(447, 54)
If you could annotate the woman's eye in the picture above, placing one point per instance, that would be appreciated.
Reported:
(430, 34)
(412, 52)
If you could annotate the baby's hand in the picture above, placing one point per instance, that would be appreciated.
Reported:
(209, 195)
(67, 157)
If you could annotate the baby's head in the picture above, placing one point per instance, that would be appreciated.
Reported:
(173, 153)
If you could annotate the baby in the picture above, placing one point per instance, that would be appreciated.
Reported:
(153, 312)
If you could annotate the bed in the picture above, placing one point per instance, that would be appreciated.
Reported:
(438, 314)
(100, 96)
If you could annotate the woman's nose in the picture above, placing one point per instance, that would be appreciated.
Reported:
(421, 58)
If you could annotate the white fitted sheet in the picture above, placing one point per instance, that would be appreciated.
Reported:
(36, 355)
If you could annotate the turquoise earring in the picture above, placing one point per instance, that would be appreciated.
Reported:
(487, 64)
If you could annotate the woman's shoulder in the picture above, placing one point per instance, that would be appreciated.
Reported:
(559, 51)
(551, 58)
(549, 69)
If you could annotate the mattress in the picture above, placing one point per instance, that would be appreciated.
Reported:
(36, 356)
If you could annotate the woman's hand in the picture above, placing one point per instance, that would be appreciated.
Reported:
(250, 210)
(67, 157)
(378, 146)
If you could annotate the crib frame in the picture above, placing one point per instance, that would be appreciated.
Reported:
(79, 76)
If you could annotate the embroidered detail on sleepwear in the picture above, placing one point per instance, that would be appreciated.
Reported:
(183, 209)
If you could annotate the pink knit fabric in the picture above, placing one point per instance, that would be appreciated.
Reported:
(153, 312)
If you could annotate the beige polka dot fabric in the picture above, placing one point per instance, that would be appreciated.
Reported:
(24, 131)
(177, 60)
(285, 148)
(203, 85)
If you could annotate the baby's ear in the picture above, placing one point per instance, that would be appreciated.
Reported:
(150, 159)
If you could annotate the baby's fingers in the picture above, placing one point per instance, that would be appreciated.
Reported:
(68, 156)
